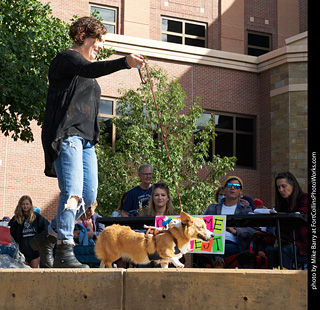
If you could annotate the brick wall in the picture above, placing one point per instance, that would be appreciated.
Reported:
(220, 90)
(261, 16)
(280, 143)
(264, 139)
(227, 20)
(21, 173)
(204, 11)
(303, 15)
(287, 19)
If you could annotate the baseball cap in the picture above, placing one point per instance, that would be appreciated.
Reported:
(257, 202)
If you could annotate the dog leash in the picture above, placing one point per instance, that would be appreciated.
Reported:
(143, 81)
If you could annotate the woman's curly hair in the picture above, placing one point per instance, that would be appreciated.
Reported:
(92, 28)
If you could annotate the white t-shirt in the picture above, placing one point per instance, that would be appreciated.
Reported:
(225, 211)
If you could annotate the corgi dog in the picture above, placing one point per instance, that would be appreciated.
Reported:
(166, 247)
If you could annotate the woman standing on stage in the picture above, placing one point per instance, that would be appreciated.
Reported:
(69, 134)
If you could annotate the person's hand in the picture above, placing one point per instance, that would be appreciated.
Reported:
(135, 60)
(124, 213)
(89, 224)
(245, 202)
(231, 230)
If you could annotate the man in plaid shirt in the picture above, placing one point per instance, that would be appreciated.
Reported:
(237, 239)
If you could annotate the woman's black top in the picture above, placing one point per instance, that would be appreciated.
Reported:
(73, 101)
(23, 233)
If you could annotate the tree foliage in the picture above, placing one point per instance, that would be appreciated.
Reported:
(139, 141)
(30, 38)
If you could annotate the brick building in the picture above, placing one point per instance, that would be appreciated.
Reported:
(245, 59)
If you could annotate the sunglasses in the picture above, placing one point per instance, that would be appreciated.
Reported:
(235, 185)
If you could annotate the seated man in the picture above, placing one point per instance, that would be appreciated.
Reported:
(139, 196)
(237, 239)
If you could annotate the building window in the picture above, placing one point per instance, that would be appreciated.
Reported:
(109, 17)
(235, 136)
(184, 32)
(258, 43)
(201, 124)
(108, 110)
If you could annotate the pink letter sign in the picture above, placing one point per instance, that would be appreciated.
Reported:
(215, 223)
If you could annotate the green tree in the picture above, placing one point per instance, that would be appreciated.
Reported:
(30, 38)
(139, 141)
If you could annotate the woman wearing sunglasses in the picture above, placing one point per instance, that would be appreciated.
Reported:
(237, 239)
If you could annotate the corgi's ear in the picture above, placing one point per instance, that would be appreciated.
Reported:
(185, 218)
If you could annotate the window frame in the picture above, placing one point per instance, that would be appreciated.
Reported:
(109, 116)
(256, 47)
(115, 23)
(183, 35)
(234, 133)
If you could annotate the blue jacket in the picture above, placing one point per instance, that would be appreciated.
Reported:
(244, 234)
(83, 235)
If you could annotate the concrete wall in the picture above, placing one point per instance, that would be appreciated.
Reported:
(289, 120)
(157, 289)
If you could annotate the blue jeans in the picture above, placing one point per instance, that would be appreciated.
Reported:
(231, 248)
(274, 256)
(77, 171)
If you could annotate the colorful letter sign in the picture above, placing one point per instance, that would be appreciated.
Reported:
(215, 223)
